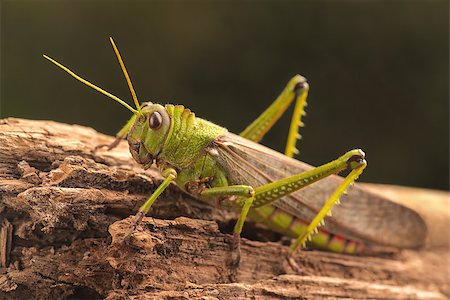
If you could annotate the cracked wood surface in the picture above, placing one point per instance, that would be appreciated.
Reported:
(68, 206)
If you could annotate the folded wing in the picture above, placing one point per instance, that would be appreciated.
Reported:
(362, 216)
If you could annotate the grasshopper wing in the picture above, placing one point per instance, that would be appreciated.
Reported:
(362, 216)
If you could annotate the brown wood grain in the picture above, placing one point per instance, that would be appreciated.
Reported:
(69, 206)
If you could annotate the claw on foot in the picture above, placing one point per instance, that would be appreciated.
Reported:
(126, 238)
(294, 265)
(108, 146)
(236, 251)
(137, 220)
(235, 257)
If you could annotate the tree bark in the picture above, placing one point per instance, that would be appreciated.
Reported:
(65, 207)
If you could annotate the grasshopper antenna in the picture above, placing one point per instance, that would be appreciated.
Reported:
(127, 77)
(134, 111)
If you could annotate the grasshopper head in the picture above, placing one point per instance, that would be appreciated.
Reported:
(148, 133)
(151, 121)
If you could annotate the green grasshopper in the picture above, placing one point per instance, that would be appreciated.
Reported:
(236, 172)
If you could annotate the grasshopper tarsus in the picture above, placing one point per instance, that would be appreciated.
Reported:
(127, 237)
(108, 147)
(293, 264)
(235, 251)
(125, 240)
(137, 220)
(235, 257)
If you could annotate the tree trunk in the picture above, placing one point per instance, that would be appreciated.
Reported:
(65, 207)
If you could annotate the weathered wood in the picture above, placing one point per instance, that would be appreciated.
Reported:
(69, 206)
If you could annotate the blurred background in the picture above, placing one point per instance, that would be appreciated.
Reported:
(378, 71)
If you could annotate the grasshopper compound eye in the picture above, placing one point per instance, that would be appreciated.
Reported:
(155, 120)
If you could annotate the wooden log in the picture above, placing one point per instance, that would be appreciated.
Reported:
(67, 206)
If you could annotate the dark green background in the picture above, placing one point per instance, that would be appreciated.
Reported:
(378, 70)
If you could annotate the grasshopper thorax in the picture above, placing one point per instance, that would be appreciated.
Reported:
(169, 135)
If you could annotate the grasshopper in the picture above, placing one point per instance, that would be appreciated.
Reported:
(236, 172)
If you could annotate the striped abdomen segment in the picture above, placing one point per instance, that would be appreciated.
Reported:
(286, 224)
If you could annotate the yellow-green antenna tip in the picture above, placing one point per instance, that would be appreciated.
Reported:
(127, 76)
(91, 85)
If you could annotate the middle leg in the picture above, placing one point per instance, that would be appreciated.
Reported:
(244, 196)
